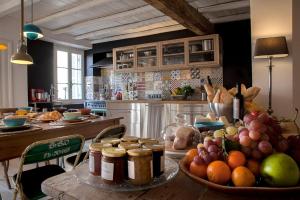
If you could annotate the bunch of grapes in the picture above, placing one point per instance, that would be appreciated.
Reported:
(294, 145)
(209, 151)
(261, 137)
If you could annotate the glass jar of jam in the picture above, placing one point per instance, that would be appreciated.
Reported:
(113, 141)
(148, 141)
(113, 165)
(95, 156)
(140, 166)
(128, 138)
(129, 145)
(158, 153)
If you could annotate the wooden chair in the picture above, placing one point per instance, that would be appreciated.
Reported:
(116, 131)
(28, 183)
(5, 163)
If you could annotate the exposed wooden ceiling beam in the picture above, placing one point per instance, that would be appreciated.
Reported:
(124, 27)
(140, 33)
(99, 20)
(230, 18)
(184, 14)
(225, 6)
(70, 11)
(12, 6)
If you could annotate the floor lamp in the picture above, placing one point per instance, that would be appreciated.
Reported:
(272, 47)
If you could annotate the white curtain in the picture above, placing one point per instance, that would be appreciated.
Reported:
(6, 83)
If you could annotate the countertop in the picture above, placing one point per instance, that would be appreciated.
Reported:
(153, 101)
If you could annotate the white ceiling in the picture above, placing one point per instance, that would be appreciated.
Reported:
(108, 20)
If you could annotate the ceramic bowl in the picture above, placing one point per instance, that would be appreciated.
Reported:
(28, 109)
(72, 115)
(14, 122)
(205, 126)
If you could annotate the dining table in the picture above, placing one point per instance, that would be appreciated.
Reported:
(12, 144)
(67, 186)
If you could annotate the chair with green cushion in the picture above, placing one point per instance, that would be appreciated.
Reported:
(28, 182)
(115, 131)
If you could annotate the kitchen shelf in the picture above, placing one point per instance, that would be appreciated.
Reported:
(185, 53)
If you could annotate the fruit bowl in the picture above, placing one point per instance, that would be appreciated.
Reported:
(235, 190)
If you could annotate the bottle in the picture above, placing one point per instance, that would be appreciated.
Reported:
(238, 104)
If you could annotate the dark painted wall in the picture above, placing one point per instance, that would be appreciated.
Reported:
(237, 60)
(40, 74)
(236, 38)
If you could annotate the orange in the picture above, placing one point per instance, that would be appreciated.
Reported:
(236, 159)
(190, 155)
(253, 166)
(198, 170)
(218, 172)
(242, 177)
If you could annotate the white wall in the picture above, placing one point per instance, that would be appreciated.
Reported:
(17, 79)
(273, 18)
(296, 52)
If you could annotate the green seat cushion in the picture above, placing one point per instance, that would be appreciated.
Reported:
(31, 180)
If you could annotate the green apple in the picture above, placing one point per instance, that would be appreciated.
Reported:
(280, 169)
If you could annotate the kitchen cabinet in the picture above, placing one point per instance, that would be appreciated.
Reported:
(173, 54)
(204, 50)
(147, 57)
(124, 59)
(199, 51)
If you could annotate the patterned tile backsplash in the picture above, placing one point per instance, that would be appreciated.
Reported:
(158, 84)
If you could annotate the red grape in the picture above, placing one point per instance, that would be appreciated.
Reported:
(198, 160)
(214, 156)
(283, 145)
(255, 125)
(245, 141)
(256, 154)
(218, 141)
(244, 132)
(254, 135)
(207, 159)
(248, 118)
(265, 147)
(263, 118)
(207, 143)
(213, 148)
(264, 137)
(246, 150)
(254, 145)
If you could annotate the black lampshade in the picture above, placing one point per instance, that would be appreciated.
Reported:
(271, 47)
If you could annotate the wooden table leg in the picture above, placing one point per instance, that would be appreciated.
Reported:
(5, 167)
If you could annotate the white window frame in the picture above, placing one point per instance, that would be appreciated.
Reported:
(70, 50)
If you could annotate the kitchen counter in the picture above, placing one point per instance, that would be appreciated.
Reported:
(153, 101)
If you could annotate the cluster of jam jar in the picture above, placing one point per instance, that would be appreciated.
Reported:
(129, 158)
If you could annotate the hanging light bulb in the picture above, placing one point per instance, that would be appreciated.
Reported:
(32, 31)
(22, 57)
(3, 47)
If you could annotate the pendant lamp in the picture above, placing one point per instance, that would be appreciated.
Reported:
(3, 47)
(32, 31)
(22, 57)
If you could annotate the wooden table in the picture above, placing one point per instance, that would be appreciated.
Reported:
(66, 187)
(13, 144)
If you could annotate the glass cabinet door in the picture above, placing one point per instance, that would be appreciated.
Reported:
(173, 54)
(124, 59)
(147, 56)
(201, 51)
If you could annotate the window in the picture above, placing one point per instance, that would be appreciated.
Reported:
(69, 75)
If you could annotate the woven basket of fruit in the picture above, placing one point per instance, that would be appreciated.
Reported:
(255, 157)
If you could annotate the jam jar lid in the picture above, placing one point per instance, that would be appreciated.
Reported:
(113, 152)
(155, 147)
(128, 138)
(112, 141)
(148, 141)
(129, 145)
(139, 152)
(99, 146)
